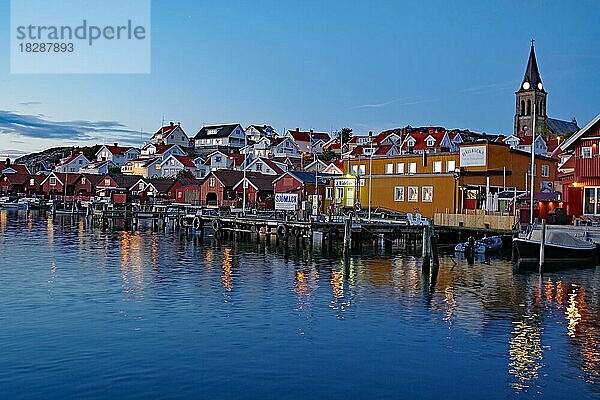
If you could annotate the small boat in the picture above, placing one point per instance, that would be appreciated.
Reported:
(560, 248)
(488, 244)
(481, 246)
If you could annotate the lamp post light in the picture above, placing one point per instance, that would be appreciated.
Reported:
(370, 178)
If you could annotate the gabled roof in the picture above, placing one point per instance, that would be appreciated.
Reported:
(261, 128)
(115, 150)
(185, 161)
(270, 163)
(161, 185)
(221, 131)
(124, 181)
(305, 136)
(62, 177)
(228, 177)
(15, 179)
(383, 149)
(188, 182)
(560, 127)
(260, 181)
(94, 179)
(167, 130)
(569, 142)
(18, 168)
(307, 176)
(72, 157)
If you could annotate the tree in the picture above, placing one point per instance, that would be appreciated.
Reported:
(185, 174)
(327, 155)
(344, 135)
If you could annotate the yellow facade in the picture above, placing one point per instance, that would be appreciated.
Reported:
(438, 182)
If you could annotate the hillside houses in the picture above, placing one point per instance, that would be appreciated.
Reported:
(172, 134)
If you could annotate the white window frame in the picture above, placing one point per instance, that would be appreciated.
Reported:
(400, 168)
(329, 193)
(399, 193)
(545, 170)
(437, 167)
(389, 169)
(585, 150)
(450, 165)
(412, 168)
(415, 190)
(425, 189)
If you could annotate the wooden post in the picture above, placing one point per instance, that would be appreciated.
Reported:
(542, 246)
(347, 236)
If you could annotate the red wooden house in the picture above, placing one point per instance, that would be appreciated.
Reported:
(579, 171)
(217, 189)
(259, 191)
(54, 184)
(186, 190)
(303, 183)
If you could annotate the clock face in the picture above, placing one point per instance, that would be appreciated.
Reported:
(526, 85)
(540, 86)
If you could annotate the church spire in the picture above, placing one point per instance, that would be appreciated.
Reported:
(532, 79)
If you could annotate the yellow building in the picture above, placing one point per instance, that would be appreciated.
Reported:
(441, 182)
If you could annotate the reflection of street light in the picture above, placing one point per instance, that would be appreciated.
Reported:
(456, 176)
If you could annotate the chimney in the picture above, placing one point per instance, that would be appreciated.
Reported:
(172, 123)
(116, 144)
(178, 123)
(297, 129)
(7, 161)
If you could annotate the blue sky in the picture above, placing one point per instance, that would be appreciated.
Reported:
(317, 64)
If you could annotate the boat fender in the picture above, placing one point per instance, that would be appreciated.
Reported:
(282, 231)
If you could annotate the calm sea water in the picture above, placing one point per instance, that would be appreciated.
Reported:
(89, 314)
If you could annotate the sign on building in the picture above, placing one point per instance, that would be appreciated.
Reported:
(286, 201)
(473, 156)
(348, 182)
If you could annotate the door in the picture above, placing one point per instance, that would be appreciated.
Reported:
(350, 197)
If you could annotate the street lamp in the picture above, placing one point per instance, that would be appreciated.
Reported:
(370, 177)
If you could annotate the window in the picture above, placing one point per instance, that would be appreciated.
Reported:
(83, 180)
(430, 142)
(529, 169)
(52, 181)
(179, 194)
(339, 193)
(399, 193)
(141, 186)
(413, 193)
(545, 171)
(589, 201)
(450, 166)
(586, 152)
(362, 170)
(427, 194)
(211, 182)
(389, 168)
(328, 193)
(437, 167)
(107, 182)
(32, 182)
(400, 168)
(259, 167)
(218, 159)
(412, 168)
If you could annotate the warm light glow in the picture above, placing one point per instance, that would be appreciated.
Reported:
(573, 315)
(525, 352)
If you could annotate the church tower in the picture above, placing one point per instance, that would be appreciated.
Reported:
(531, 92)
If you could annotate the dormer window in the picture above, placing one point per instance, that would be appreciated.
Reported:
(212, 132)
(430, 142)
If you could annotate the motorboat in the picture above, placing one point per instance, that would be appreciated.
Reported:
(481, 246)
(6, 204)
(559, 248)
(488, 244)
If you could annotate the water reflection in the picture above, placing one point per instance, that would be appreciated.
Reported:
(512, 317)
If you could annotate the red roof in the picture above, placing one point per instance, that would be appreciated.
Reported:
(272, 165)
(304, 136)
(118, 150)
(186, 161)
(420, 139)
(71, 158)
(165, 131)
(383, 149)
(161, 148)
(19, 168)
(552, 144)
